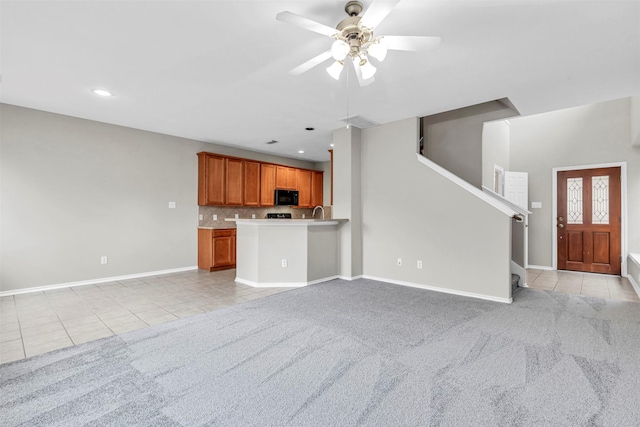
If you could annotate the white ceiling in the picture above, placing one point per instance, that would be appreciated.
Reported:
(216, 71)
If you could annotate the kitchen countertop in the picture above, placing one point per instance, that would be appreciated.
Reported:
(287, 221)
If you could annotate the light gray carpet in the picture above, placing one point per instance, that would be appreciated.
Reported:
(349, 353)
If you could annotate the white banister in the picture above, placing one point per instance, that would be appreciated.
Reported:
(498, 204)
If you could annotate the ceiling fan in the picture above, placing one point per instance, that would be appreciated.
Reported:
(354, 40)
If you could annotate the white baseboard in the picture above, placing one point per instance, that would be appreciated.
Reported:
(283, 284)
(350, 278)
(541, 267)
(443, 290)
(94, 281)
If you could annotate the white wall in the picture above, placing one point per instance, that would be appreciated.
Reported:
(326, 184)
(592, 134)
(453, 139)
(495, 150)
(347, 199)
(74, 190)
(635, 120)
(413, 213)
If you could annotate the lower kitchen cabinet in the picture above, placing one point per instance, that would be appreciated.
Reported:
(216, 248)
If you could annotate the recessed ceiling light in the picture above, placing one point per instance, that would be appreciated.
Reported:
(102, 92)
(310, 128)
(300, 151)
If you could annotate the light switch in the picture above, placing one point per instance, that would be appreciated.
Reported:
(536, 205)
(172, 205)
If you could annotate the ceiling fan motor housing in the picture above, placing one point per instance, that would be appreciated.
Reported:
(351, 32)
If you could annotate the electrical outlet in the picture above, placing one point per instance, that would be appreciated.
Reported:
(399, 262)
(419, 264)
(237, 216)
(284, 263)
(200, 217)
(253, 216)
(215, 217)
(103, 260)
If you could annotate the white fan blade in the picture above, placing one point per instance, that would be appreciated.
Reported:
(306, 66)
(412, 43)
(307, 24)
(378, 10)
(361, 81)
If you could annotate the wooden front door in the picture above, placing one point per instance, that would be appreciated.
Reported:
(589, 220)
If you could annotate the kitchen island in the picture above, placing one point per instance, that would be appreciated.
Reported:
(286, 252)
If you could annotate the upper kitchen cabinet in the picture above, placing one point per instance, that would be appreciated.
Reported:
(267, 184)
(317, 188)
(220, 180)
(235, 180)
(304, 188)
(212, 182)
(286, 178)
(252, 183)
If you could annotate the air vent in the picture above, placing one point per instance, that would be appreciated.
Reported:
(273, 141)
(359, 121)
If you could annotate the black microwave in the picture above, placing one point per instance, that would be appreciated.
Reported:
(286, 198)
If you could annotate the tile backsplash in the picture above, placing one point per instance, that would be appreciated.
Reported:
(223, 212)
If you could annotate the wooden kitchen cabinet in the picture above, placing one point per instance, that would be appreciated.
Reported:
(220, 180)
(286, 178)
(304, 188)
(317, 188)
(267, 184)
(235, 182)
(216, 249)
(211, 180)
(252, 184)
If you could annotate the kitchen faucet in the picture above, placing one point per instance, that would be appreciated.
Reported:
(314, 211)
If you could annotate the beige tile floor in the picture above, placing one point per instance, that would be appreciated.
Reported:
(593, 285)
(39, 322)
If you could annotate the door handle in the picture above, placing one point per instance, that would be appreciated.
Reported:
(560, 225)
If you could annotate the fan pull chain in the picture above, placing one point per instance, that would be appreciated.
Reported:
(348, 124)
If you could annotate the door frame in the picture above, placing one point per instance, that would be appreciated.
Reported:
(623, 210)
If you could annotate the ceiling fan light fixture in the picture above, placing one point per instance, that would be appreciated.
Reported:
(378, 49)
(335, 69)
(339, 50)
(367, 69)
